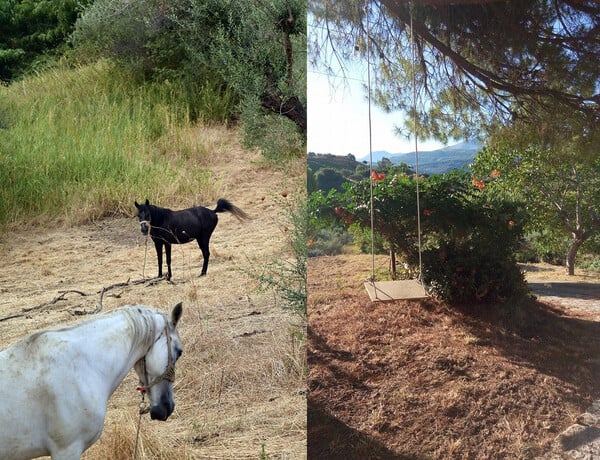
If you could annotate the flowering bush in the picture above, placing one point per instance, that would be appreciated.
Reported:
(470, 233)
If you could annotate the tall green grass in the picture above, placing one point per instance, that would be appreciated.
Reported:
(79, 144)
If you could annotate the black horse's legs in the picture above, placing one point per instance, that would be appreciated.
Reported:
(205, 255)
(168, 253)
(159, 245)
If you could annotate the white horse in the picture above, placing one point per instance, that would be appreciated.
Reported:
(55, 384)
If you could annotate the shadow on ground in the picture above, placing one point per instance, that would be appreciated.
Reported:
(540, 336)
(331, 439)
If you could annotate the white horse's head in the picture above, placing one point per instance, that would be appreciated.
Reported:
(156, 370)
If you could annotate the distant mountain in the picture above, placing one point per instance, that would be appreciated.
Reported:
(434, 161)
(327, 160)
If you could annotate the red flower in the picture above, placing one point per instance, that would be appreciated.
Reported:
(375, 176)
(511, 223)
(495, 173)
(427, 212)
(478, 184)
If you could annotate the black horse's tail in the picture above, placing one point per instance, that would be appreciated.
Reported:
(224, 205)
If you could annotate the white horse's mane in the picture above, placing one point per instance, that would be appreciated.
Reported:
(139, 317)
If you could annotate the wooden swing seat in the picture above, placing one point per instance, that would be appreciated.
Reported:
(402, 289)
(395, 290)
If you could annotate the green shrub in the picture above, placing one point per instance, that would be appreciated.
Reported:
(362, 238)
(543, 246)
(527, 253)
(276, 137)
(286, 276)
(469, 235)
(593, 264)
(329, 242)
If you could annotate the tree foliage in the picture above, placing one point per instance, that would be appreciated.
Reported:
(474, 64)
(329, 178)
(33, 30)
(469, 234)
(256, 49)
(555, 166)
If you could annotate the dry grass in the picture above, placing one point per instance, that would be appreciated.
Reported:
(233, 394)
(240, 386)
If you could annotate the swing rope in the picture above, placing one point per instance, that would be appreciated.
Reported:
(415, 128)
(370, 143)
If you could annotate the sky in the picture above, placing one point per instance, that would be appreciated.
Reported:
(338, 118)
(338, 113)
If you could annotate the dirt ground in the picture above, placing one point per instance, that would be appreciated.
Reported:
(421, 380)
(240, 387)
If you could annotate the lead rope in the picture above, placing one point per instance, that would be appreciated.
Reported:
(137, 435)
(145, 253)
(142, 410)
(168, 374)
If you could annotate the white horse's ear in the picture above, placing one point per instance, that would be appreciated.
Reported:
(176, 313)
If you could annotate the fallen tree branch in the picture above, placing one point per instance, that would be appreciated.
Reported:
(104, 290)
(17, 315)
(63, 296)
(56, 299)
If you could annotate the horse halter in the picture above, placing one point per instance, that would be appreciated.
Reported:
(168, 374)
(147, 224)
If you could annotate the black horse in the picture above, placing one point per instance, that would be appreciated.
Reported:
(169, 227)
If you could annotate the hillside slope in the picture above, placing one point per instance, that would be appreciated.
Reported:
(438, 161)
(240, 386)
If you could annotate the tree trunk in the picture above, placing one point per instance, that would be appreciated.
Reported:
(291, 108)
(393, 263)
(571, 254)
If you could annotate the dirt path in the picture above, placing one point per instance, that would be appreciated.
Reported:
(580, 296)
(240, 384)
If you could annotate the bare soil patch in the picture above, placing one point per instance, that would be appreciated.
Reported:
(420, 379)
(240, 387)
(578, 294)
